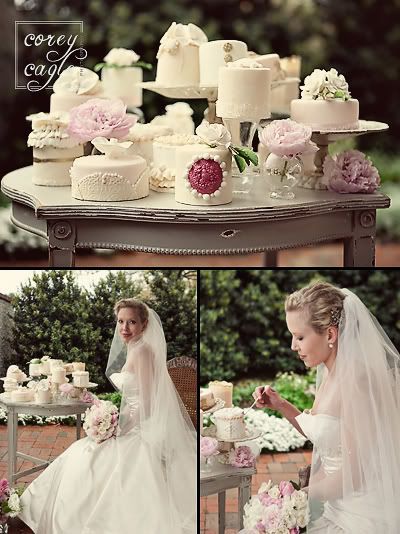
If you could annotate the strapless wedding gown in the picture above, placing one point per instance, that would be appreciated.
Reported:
(340, 516)
(116, 487)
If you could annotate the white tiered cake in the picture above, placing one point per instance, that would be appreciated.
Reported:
(216, 54)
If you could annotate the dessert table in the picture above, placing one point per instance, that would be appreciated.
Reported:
(251, 223)
(221, 478)
(30, 408)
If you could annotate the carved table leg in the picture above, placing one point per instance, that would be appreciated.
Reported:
(62, 236)
(359, 250)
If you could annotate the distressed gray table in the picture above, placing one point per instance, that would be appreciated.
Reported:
(221, 478)
(30, 408)
(158, 224)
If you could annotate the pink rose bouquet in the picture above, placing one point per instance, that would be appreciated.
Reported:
(350, 172)
(287, 138)
(10, 505)
(276, 509)
(208, 447)
(101, 421)
(99, 117)
(242, 456)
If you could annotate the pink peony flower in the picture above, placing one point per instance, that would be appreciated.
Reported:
(208, 446)
(66, 388)
(287, 138)
(286, 488)
(242, 457)
(295, 530)
(88, 397)
(267, 500)
(4, 489)
(350, 172)
(99, 117)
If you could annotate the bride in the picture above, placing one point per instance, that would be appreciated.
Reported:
(354, 423)
(143, 481)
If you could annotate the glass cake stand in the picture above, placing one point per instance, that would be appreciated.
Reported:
(191, 92)
(323, 138)
(225, 446)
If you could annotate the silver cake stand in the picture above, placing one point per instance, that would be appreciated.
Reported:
(208, 92)
(323, 138)
(225, 446)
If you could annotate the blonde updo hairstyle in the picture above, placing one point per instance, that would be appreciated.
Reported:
(135, 304)
(322, 302)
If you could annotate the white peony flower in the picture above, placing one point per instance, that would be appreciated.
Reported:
(274, 492)
(324, 85)
(313, 84)
(14, 504)
(214, 134)
(337, 83)
(113, 148)
(121, 57)
(265, 486)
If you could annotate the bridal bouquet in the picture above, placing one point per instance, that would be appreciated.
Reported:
(276, 509)
(101, 421)
(10, 505)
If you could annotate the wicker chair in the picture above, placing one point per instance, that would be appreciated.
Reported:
(183, 372)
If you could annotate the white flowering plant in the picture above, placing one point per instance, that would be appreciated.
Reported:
(215, 135)
(122, 57)
(10, 505)
(277, 509)
(325, 85)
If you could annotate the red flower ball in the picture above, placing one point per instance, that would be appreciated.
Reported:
(205, 176)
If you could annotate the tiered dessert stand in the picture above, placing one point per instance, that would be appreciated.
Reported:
(55, 388)
(192, 92)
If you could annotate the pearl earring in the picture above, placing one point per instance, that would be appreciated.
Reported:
(330, 345)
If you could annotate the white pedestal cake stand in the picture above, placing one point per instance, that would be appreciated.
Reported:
(190, 92)
(225, 446)
(324, 138)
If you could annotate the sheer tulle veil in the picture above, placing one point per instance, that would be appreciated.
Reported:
(153, 414)
(362, 393)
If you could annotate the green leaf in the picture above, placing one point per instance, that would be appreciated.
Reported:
(249, 155)
(240, 162)
(98, 67)
(139, 64)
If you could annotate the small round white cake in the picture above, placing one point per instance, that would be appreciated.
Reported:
(81, 379)
(78, 366)
(10, 384)
(35, 369)
(142, 137)
(105, 179)
(21, 395)
(244, 91)
(326, 114)
(230, 424)
(203, 175)
(206, 399)
(216, 54)
(15, 372)
(272, 62)
(58, 375)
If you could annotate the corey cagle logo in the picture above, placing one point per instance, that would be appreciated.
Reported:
(43, 49)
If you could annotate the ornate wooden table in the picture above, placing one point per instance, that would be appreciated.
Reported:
(221, 478)
(30, 408)
(160, 225)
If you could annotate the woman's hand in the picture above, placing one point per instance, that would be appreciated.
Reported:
(267, 398)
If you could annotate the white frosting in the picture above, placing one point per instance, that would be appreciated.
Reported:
(78, 366)
(51, 165)
(43, 397)
(325, 85)
(81, 378)
(35, 369)
(178, 55)
(271, 61)
(230, 423)
(21, 395)
(50, 129)
(216, 54)
(206, 399)
(76, 81)
(65, 102)
(58, 375)
(122, 83)
(282, 96)
(326, 114)
(113, 148)
(178, 117)
(185, 193)
(162, 169)
(245, 63)
(121, 57)
(142, 136)
(103, 179)
(244, 93)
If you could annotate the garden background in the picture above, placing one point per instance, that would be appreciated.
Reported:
(358, 37)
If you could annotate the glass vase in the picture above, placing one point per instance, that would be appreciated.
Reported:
(242, 134)
(206, 464)
(282, 174)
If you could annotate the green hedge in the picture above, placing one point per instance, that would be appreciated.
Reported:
(242, 320)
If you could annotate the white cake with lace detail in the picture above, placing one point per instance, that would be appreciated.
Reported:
(178, 55)
(326, 103)
(142, 137)
(54, 149)
(207, 399)
(203, 175)
(75, 86)
(244, 91)
(216, 54)
(163, 167)
(115, 175)
(230, 424)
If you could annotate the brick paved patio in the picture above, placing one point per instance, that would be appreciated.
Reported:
(277, 467)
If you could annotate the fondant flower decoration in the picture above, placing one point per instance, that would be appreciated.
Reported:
(112, 148)
(179, 109)
(350, 172)
(181, 35)
(99, 117)
(206, 176)
(325, 85)
(76, 80)
(287, 138)
(56, 118)
(121, 58)
(217, 135)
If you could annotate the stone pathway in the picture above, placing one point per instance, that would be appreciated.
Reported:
(277, 467)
